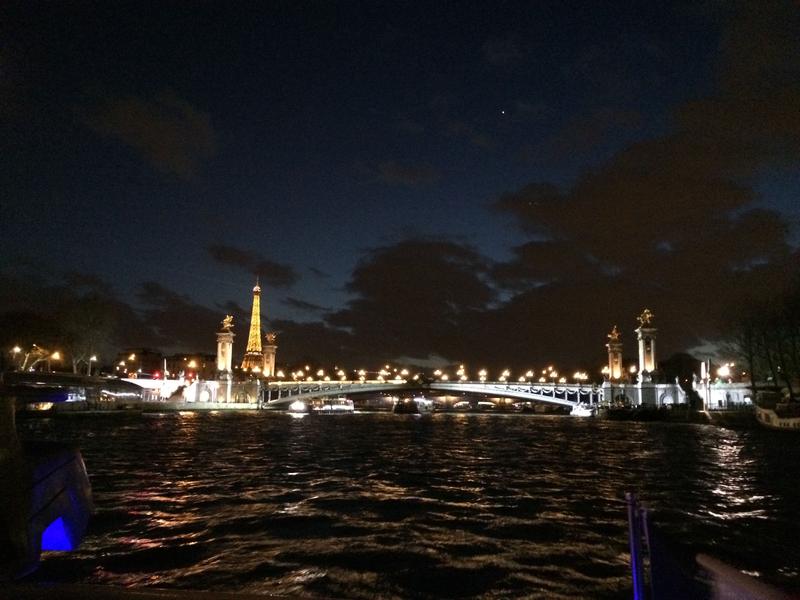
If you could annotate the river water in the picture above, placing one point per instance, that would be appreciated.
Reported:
(401, 506)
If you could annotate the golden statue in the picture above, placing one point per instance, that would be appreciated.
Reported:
(227, 323)
(646, 318)
(272, 338)
(614, 335)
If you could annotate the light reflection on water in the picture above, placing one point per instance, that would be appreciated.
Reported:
(380, 505)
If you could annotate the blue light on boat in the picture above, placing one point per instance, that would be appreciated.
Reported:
(55, 537)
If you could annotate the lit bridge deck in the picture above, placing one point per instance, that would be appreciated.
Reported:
(281, 394)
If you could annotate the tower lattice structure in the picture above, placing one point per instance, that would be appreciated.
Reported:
(253, 356)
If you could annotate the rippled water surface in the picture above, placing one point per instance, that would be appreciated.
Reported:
(381, 505)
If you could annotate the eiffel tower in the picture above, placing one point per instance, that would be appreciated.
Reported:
(253, 356)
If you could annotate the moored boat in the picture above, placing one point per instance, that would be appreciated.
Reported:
(582, 410)
(775, 411)
(413, 406)
(783, 415)
(331, 406)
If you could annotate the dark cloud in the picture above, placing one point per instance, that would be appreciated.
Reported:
(470, 133)
(584, 134)
(268, 271)
(395, 173)
(319, 273)
(415, 297)
(503, 51)
(177, 321)
(169, 133)
(303, 305)
(670, 222)
(409, 126)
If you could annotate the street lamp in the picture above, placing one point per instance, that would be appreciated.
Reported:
(92, 359)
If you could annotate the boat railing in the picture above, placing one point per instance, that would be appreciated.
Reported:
(659, 571)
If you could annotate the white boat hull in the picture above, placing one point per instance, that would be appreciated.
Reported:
(769, 418)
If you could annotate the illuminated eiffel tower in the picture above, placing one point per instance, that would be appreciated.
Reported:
(253, 356)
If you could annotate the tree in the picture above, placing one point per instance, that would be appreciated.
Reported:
(86, 324)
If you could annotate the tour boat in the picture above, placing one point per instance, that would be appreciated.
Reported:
(298, 407)
(330, 406)
(783, 415)
(413, 406)
(582, 410)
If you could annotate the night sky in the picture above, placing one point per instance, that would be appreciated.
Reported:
(490, 182)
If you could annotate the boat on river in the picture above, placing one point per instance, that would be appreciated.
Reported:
(335, 406)
(775, 412)
(582, 410)
(418, 405)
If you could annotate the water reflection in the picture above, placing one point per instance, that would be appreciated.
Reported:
(362, 506)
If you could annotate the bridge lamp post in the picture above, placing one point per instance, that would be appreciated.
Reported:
(482, 375)
(437, 372)
(445, 377)
(542, 380)
(15, 354)
(521, 379)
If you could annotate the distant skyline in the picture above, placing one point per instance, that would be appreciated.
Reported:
(489, 183)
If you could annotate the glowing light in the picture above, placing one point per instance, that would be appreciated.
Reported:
(724, 371)
(437, 372)
(133, 357)
(542, 379)
(16, 350)
(56, 537)
(279, 374)
(632, 369)
(482, 373)
(320, 373)
(297, 406)
(309, 378)
(93, 358)
(521, 379)
(562, 380)
(193, 365)
(529, 374)
(445, 377)
(56, 355)
(404, 372)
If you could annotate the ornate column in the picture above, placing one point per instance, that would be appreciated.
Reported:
(646, 336)
(614, 346)
(225, 349)
(270, 350)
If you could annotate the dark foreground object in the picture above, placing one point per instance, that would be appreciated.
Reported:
(45, 498)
